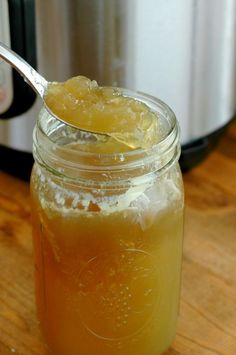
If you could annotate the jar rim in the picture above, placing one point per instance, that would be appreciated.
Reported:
(120, 160)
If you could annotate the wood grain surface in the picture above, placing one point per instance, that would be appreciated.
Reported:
(207, 322)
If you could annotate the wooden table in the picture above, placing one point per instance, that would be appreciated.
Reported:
(207, 322)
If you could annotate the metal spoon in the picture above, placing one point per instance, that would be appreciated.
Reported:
(38, 83)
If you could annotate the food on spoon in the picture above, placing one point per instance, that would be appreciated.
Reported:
(87, 106)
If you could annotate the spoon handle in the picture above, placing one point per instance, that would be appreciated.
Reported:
(31, 76)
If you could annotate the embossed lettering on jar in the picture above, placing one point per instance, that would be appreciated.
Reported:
(107, 231)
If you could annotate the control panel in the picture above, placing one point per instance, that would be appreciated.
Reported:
(6, 81)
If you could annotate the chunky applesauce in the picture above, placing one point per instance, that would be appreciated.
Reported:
(107, 223)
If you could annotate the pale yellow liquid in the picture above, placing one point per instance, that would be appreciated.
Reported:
(107, 283)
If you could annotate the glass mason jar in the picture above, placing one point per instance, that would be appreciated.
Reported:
(107, 232)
